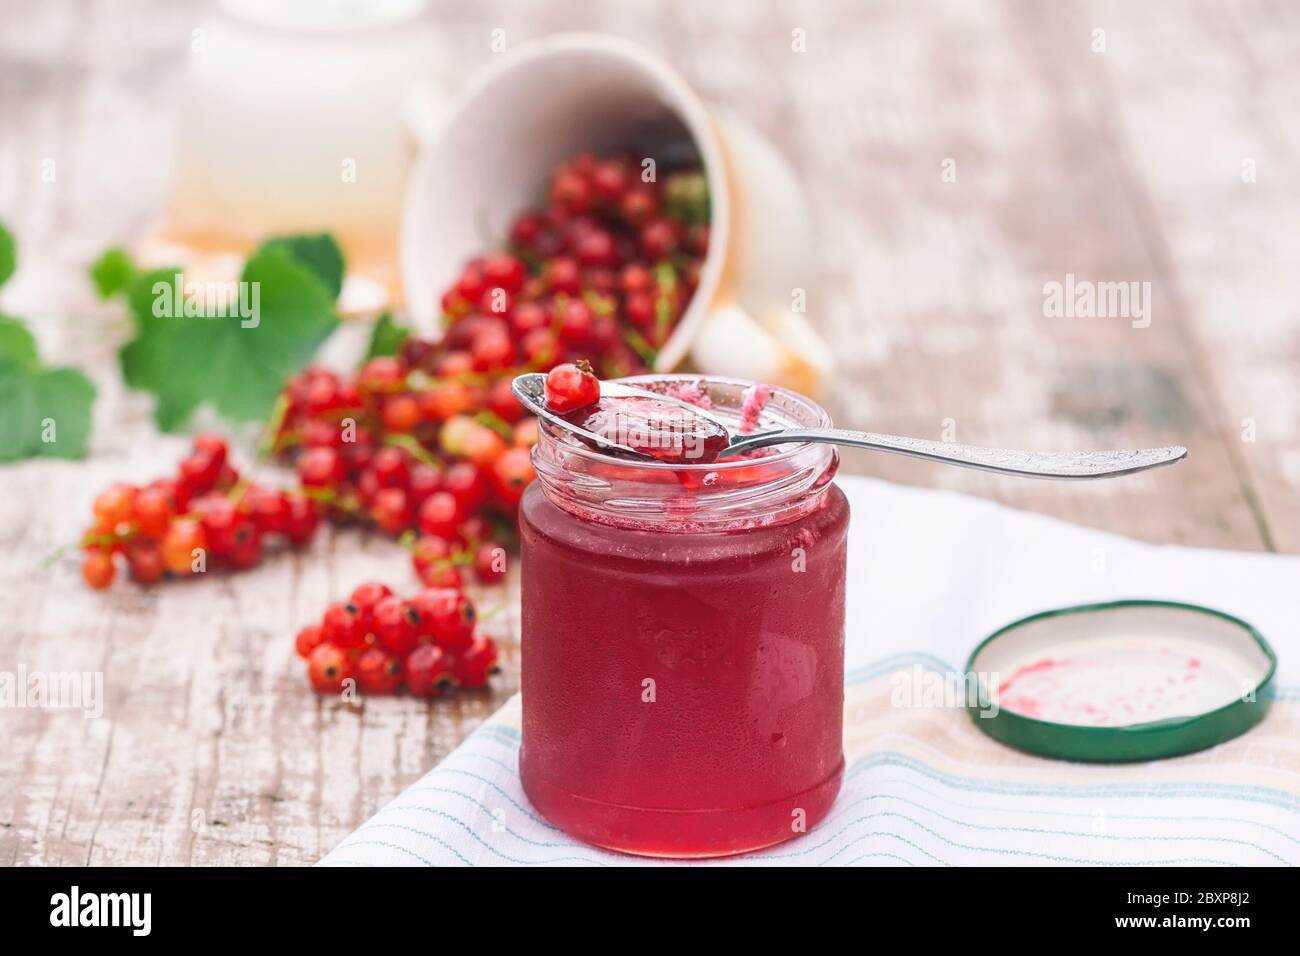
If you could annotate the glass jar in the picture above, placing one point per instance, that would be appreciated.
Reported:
(683, 639)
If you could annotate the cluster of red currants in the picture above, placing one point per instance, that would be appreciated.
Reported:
(177, 524)
(430, 443)
(453, 472)
(603, 273)
(384, 642)
(432, 440)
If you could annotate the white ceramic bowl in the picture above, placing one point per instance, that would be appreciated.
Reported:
(493, 154)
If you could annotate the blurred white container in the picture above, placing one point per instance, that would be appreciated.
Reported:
(492, 157)
(297, 117)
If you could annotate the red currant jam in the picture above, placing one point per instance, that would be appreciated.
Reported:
(683, 641)
(663, 430)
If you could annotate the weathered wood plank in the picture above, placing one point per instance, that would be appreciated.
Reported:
(942, 282)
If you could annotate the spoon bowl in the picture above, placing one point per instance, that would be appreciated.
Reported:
(530, 389)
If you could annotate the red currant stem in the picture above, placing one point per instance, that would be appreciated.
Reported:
(58, 553)
(234, 494)
(420, 381)
(385, 388)
(532, 262)
(459, 557)
(502, 528)
(557, 323)
(410, 540)
(598, 303)
(411, 445)
(680, 260)
(663, 319)
(666, 278)
(285, 442)
(102, 540)
(490, 613)
(269, 441)
(495, 422)
(330, 497)
(237, 491)
(639, 345)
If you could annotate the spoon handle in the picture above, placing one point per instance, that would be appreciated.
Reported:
(1004, 461)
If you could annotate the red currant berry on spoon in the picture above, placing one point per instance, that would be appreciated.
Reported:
(569, 387)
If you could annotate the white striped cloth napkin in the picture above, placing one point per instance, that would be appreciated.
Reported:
(931, 573)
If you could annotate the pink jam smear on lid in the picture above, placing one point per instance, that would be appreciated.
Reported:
(1101, 691)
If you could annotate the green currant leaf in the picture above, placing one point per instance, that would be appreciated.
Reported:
(17, 347)
(319, 252)
(8, 254)
(47, 410)
(386, 337)
(237, 362)
(112, 272)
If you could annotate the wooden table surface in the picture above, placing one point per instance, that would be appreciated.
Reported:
(1171, 156)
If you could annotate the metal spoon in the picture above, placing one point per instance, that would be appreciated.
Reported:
(1005, 461)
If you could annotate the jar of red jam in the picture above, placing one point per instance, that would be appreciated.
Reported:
(683, 637)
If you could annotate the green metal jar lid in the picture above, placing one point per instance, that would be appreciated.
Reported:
(1124, 681)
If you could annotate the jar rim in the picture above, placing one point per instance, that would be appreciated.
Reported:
(820, 419)
(725, 495)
